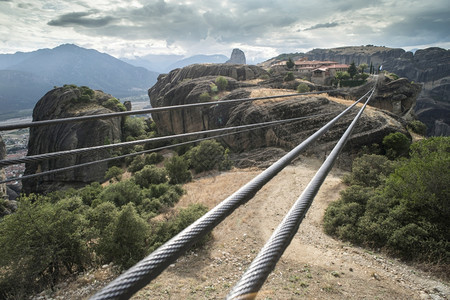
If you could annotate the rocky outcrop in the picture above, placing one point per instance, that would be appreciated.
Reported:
(359, 55)
(183, 86)
(372, 127)
(432, 68)
(398, 96)
(237, 57)
(71, 101)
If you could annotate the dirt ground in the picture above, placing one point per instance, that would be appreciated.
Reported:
(314, 266)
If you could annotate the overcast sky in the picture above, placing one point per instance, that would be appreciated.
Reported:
(261, 28)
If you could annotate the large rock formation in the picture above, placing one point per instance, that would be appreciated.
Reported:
(430, 66)
(2, 174)
(71, 101)
(183, 86)
(174, 89)
(237, 57)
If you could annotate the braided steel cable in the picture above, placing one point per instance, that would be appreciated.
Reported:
(46, 156)
(138, 276)
(147, 111)
(130, 154)
(255, 276)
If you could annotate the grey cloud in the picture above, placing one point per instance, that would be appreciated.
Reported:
(81, 19)
(323, 25)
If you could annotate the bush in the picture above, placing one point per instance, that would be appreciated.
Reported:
(178, 170)
(206, 156)
(302, 88)
(126, 244)
(134, 127)
(418, 127)
(153, 158)
(396, 145)
(137, 164)
(114, 172)
(164, 231)
(289, 76)
(90, 192)
(150, 175)
(369, 170)
(221, 83)
(204, 97)
(121, 193)
(40, 243)
(407, 215)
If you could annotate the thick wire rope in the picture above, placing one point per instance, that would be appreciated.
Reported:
(255, 276)
(146, 111)
(46, 156)
(138, 276)
(131, 154)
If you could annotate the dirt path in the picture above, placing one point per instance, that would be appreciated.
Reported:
(314, 266)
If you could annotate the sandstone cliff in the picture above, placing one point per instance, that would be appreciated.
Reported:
(174, 89)
(71, 101)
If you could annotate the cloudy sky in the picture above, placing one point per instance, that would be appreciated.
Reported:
(262, 28)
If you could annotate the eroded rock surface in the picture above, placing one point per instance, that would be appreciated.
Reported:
(66, 102)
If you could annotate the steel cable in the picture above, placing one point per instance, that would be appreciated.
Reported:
(129, 155)
(50, 155)
(255, 276)
(124, 286)
(146, 111)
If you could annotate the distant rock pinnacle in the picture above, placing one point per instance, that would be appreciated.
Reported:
(237, 57)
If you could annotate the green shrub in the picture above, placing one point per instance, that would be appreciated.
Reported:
(418, 127)
(150, 175)
(369, 170)
(114, 172)
(41, 243)
(178, 170)
(407, 214)
(204, 97)
(126, 244)
(290, 63)
(134, 127)
(206, 156)
(121, 193)
(164, 231)
(153, 158)
(90, 192)
(302, 88)
(137, 164)
(221, 83)
(396, 145)
(289, 76)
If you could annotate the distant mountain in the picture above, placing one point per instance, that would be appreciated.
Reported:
(27, 76)
(166, 63)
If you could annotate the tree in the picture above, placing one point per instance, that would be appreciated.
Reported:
(362, 67)
(352, 70)
(150, 175)
(289, 76)
(121, 193)
(178, 170)
(206, 156)
(290, 64)
(371, 71)
(114, 172)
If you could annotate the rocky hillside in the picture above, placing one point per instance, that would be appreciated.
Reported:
(71, 101)
(2, 175)
(430, 67)
(188, 84)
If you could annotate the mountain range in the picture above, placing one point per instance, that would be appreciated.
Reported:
(26, 77)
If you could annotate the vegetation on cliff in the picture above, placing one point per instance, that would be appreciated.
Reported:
(399, 206)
